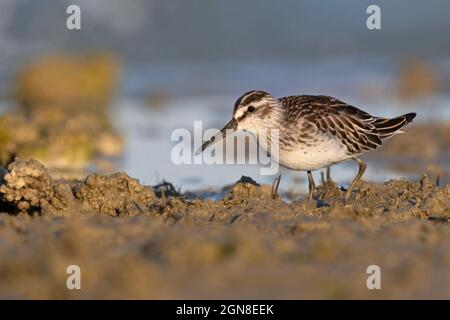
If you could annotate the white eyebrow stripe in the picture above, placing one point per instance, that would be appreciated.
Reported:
(240, 112)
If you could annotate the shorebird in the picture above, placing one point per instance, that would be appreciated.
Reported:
(314, 132)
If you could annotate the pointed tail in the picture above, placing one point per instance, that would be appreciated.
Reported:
(389, 127)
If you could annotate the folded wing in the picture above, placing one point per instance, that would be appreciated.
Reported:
(356, 129)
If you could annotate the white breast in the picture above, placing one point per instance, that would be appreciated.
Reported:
(320, 152)
(325, 152)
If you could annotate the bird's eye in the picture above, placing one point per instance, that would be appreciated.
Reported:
(251, 109)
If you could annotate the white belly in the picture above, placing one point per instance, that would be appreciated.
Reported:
(320, 155)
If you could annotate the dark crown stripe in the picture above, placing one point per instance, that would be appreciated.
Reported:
(249, 97)
(253, 96)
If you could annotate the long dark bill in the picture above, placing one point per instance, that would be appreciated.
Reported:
(219, 136)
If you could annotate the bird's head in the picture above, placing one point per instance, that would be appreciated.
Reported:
(253, 110)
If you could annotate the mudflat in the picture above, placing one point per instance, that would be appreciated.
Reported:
(135, 241)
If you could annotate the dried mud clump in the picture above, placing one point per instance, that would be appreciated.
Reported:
(247, 189)
(27, 185)
(439, 203)
(115, 195)
(404, 196)
(329, 190)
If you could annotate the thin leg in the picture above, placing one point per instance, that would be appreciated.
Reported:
(275, 185)
(329, 175)
(312, 186)
(362, 168)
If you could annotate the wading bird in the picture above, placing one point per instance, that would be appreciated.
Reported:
(314, 132)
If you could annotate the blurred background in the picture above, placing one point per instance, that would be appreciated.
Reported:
(107, 97)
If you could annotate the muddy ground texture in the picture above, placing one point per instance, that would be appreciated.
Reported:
(135, 241)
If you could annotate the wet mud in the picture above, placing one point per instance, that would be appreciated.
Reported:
(135, 241)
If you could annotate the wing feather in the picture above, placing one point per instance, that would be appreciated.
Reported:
(349, 124)
(355, 128)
